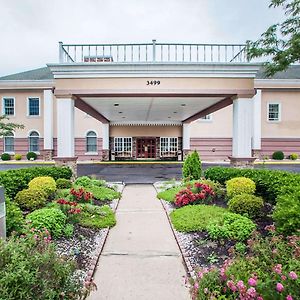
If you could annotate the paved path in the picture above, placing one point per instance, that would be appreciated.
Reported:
(140, 259)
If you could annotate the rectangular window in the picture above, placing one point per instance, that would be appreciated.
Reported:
(8, 106)
(123, 144)
(9, 144)
(274, 112)
(33, 106)
(168, 145)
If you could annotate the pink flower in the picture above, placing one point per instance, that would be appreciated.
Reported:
(293, 275)
(278, 269)
(251, 292)
(279, 287)
(283, 277)
(260, 298)
(231, 285)
(289, 297)
(252, 281)
(196, 286)
(240, 285)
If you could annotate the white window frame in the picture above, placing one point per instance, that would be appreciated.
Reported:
(4, 150)
(279, 112)
(206, 120)
(168, 143)
(3, 109)
(28, 111)
(29, 133)
(123, 138)
(92, 152)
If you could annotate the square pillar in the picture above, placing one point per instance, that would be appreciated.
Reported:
(256, 134)
(65, 134)
(186, 139)
(65, 127)
(105, 141)
(242, 133)
(48, 125)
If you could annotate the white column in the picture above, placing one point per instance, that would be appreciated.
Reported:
(65, 127)
(105, 136)
(186, 145)
(242, 128)
(256, 134)
(48, 119)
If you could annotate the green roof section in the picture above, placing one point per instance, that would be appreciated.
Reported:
(293, 72)
(36, 74)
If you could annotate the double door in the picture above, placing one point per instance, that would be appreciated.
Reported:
(146, 147)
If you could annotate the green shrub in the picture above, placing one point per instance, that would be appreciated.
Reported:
(169, 194)
(62, 183)
(103, 193)
(30, 269)
(5, 156)
(287, 210)
(266, 259)
(232, 226)
(69, 230)
(18, 156)
(97, 217)
(14, 218)
(196, 217)
(239, 185)
(44, 183)
(17, 179)
(246, 204)
(269, 183)
(278, 155)
(293, 156)
(86, 181)
(31, 156)
(54, 220)
(192, 169)
(30, 199)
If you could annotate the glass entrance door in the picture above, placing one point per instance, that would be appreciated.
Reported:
(146, 148)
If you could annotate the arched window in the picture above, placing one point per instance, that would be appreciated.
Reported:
(34, 138)
(91, 141)
(9, 143)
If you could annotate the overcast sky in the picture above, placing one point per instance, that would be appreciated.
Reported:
(30, 29)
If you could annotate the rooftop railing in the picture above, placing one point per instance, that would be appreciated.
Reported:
(152, 53)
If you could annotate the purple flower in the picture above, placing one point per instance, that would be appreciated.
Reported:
(289, 297)
(251, 292)
(293, 275)
(231, 285)
(279, 287)
(278, 269)
(252, 281)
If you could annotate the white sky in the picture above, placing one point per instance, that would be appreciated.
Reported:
(30, 29)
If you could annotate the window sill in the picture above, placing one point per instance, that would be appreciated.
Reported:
(33, 117)
(91, 153)
(271, 121)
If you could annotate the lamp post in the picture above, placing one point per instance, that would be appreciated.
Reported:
(2, 214)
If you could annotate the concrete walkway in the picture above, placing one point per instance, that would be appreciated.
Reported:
(140, 259)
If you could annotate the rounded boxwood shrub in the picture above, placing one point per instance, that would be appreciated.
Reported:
(44, 183)
(53, 219)
(31, 199)
(5, 156)
(62, 183)
(192, 169)
(240, 185)
(18, 156)
(14, 217)
(293, 156)
(278, 155)
(249, 205)
(31, 156)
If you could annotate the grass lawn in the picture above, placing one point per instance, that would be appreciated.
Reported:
(196, 217)
(169, 194)
(96, 217)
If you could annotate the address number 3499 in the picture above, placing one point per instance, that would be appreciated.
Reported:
(153, 82)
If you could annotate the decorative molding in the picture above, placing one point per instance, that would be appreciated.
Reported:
(146, 123)
(277, 83)
(26, 84)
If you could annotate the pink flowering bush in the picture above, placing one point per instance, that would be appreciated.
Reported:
(269, 271)
(200, 193)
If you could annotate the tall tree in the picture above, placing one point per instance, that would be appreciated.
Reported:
(281, 41)
(8, 127)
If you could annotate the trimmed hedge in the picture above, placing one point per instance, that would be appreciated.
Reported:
(17, 180)
(269, 183)
(278, 187)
